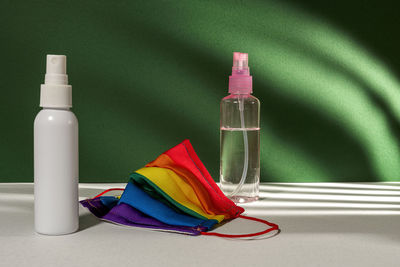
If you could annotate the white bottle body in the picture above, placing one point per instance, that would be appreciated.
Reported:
(56, 172)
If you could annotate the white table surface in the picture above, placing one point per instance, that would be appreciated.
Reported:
(323, 224)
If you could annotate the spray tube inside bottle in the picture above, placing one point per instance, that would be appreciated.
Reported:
(240, 139)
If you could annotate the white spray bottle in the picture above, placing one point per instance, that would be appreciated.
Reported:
(56, 154)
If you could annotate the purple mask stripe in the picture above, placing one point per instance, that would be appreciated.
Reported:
(127, 215)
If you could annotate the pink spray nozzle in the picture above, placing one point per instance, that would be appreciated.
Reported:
(240, 61)
(240, 82)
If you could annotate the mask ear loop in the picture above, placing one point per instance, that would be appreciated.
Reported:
(108, 190)
(273, 227)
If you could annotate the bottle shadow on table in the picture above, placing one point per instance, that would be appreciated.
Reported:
(86, 221)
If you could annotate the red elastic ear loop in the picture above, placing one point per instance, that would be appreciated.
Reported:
(272, 225)
(108, 190)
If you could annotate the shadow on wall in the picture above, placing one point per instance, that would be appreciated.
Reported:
(330, 109)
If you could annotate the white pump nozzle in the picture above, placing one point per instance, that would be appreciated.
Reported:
(55, 92)
(56, 70)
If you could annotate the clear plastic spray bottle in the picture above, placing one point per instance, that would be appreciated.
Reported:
(240, 135)
(56, 154)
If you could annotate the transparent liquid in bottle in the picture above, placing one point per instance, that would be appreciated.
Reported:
(234, 139)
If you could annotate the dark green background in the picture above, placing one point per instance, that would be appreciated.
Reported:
(148, 74)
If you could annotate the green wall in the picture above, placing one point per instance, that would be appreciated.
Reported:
(148, 74)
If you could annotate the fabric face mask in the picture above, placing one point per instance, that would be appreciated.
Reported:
(175, 190)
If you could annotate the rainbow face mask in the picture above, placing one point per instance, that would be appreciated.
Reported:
(174, 192)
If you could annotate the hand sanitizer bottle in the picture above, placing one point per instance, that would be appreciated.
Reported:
(56, 154)
(240, 135)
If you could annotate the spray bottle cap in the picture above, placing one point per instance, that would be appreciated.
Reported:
(240, 82)
(55, 92)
